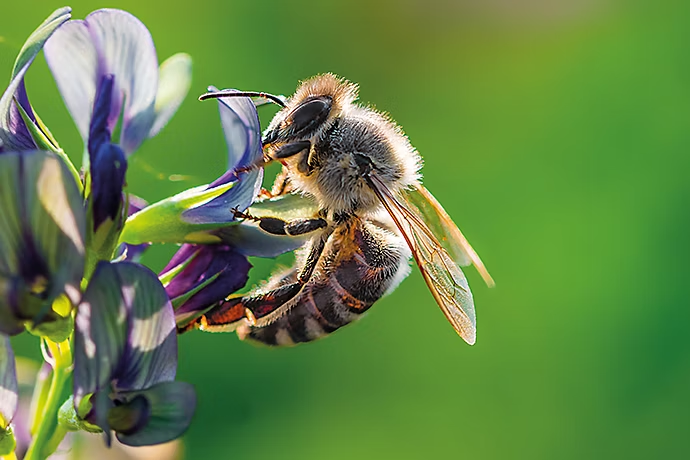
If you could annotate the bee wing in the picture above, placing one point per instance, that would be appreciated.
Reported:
(446, 281)
(449, 235)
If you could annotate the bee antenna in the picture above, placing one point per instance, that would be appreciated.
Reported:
(227, 93)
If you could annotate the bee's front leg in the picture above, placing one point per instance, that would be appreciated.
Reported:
(277, 226)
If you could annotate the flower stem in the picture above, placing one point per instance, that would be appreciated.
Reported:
(44, 441)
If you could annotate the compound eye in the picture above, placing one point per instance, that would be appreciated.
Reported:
(307, 117)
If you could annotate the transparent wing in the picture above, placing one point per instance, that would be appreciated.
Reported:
(446, 281)
(448, 234)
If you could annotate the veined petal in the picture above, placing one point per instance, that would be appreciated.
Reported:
(151, 355)
(250, 240)
(113, 42)
(125, 332)
(242, 130)
(73, 60)
(158, 414)
(174, 81)
(41, 233)
(14, 134)
(126, 48)
(9, 396)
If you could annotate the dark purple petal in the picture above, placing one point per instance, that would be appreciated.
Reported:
(124, 332)
(222, 267)
(242, 130)
(108, 169)
(231, 269)
(182, 254)
(192, 274)
(156, 415)
(100, 129)
(9, 395)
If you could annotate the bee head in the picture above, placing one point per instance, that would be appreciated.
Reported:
(312, 109)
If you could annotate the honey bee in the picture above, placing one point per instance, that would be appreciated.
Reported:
(373, 215)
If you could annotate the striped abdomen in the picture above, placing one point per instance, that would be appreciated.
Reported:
(361, 263)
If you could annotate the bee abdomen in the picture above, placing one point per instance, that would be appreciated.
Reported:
(347, 288)
(319, 310)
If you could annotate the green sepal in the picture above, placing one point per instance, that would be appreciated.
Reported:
(104, 241)
(7, 442)
(45, 141)
(37, 134)
(56, 330)
(178, 301)
(162, 222)
(69, 418)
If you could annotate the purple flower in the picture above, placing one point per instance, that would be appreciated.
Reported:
(202, 275)
(17, 118)
(42, 238)
(113, 42)
(125, 358)
(106, 69)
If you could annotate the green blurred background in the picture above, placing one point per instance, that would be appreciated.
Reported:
(555, 132)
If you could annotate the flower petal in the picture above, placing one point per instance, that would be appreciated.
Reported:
(9, 396)
(73, 60)
(126, 48)
(250, 240)
(41, 233)
(133, 252)
(125, 331)
(14, 134)
(209, 275)
(242, 130)
(107, 42)
(174, 81)
(169, 410)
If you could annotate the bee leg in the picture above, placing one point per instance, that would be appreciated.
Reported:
(276, 226)
(230, 313)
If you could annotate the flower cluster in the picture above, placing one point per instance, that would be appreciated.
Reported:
(70, 238)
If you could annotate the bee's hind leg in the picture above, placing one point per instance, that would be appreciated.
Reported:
(252, 308)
